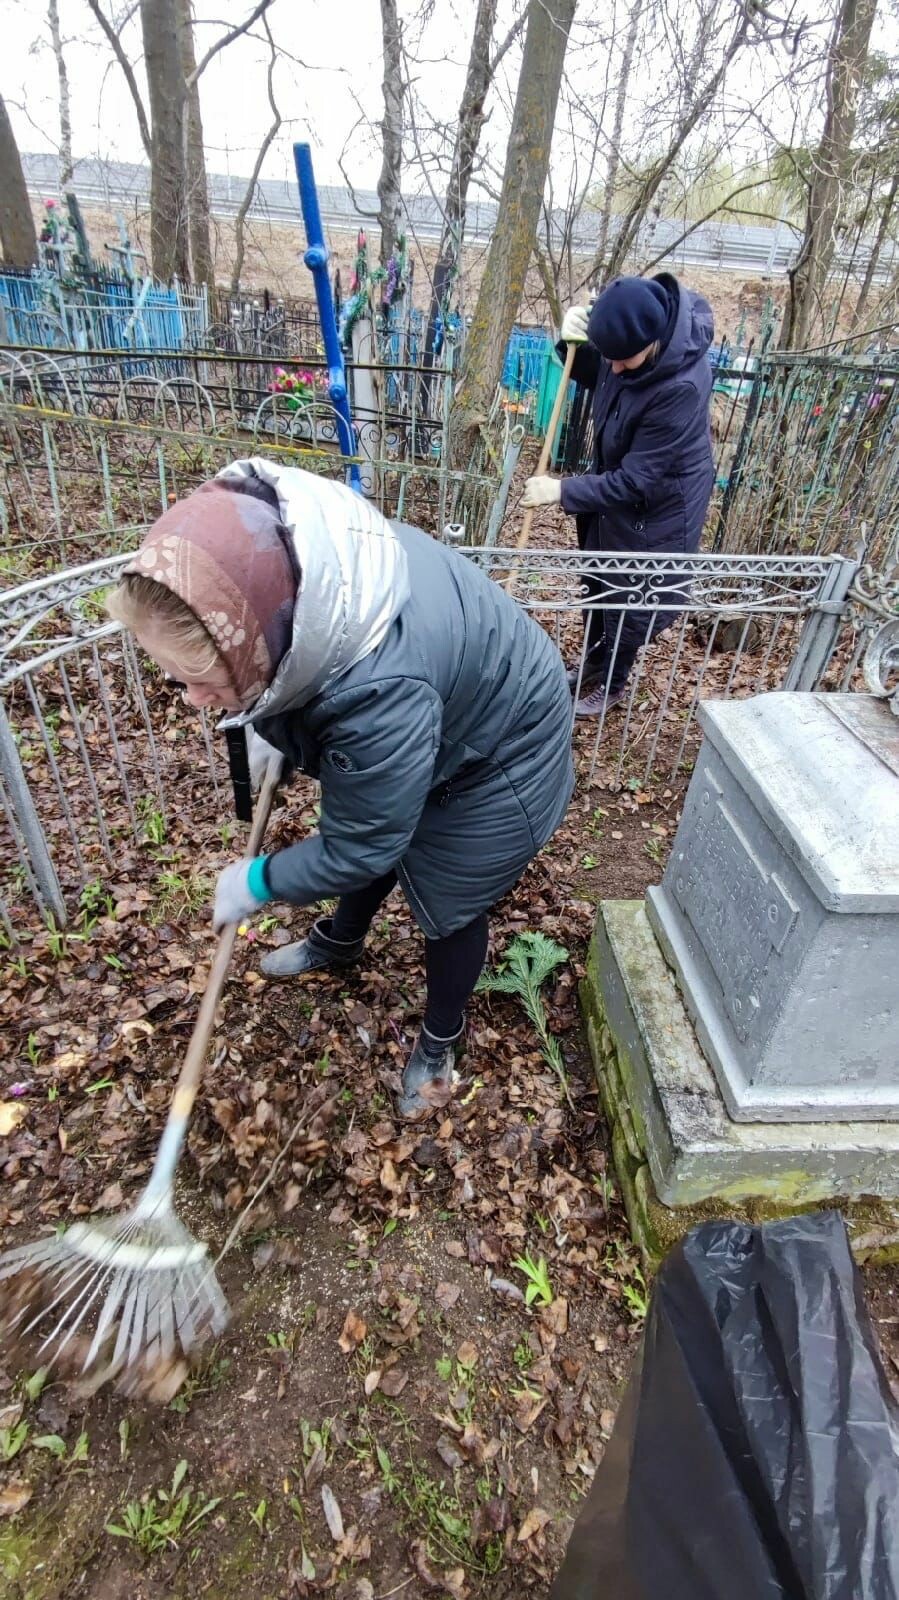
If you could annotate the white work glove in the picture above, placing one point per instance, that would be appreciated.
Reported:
(574, 325)
(541, 492)
(259, 754)
(234, 899)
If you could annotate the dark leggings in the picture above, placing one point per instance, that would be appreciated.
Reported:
(452, 965)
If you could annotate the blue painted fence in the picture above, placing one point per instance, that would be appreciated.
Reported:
(118, 314)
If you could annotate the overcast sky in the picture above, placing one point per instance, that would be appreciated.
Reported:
(329, 76)
(338, 40)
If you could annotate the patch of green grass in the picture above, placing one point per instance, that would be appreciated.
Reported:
(259, 1515)
(12, 1440)
(58, 940)
(180, 895)
(280, 1341)
(635, 1296)
(523, 1355)
(152, 820)
(434, 1511)
(655, 850)
(161, 1518)
(539, 1288)
(94, 902)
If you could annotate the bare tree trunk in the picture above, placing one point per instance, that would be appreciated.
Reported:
(194, 158)
(527, 162)
(66, 165)
(874, 257)
(390, 199)
(468, 134)
(846, 64)
(247, 200)
(168, 107)
(617, 129)
(17, 236)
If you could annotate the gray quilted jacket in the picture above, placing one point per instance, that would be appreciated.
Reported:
(434, 711)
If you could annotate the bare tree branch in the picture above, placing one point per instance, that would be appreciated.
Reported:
(721, 205)
(226, 39)
(116, 47)
(264, 148)
(506, 44)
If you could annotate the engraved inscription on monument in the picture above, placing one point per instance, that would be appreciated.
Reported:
(744, 912)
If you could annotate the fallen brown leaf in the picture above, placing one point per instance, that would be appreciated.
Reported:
(394, 1381)
(534, 1522)
(352, 1333)
(12, 1112)
(14, 1496)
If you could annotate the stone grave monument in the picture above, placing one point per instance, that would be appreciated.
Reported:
(744, 1020)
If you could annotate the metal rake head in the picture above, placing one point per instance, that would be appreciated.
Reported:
(125, 1298)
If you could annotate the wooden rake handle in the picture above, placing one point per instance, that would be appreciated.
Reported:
(195, 1059)
(546, 453)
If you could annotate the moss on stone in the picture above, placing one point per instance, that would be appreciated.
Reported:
(873, 1224)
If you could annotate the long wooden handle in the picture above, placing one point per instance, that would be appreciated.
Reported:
(546, 455)
(549, 443)
(195, 1059)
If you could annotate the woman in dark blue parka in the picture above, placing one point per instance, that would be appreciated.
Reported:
(643, 350)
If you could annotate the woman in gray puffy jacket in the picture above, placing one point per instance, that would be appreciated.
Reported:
(433, 710)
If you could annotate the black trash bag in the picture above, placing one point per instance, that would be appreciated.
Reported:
(755, 1452)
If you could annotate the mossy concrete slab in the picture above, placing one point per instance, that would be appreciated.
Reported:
(680, 1158)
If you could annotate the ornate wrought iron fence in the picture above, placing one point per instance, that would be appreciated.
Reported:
(806, 456)
(92, 449)
(94, 746)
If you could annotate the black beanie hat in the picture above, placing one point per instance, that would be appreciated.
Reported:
(629, 315)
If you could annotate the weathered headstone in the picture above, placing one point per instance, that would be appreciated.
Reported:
(779, 909)
(744, 1022)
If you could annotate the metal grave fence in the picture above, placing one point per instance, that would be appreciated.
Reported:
(806, 456)
(93, 449)
(93, 743)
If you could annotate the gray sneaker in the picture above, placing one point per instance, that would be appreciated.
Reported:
(598, 701)
(589, 681)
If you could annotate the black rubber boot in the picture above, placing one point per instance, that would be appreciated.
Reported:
(432, 1061)
(318, 952)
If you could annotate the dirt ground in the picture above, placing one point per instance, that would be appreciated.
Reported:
(386, 1414)
(382, 1358)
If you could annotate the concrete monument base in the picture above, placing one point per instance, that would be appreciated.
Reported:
(679, 1156)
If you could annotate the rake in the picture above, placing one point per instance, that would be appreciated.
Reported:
(132, 1294)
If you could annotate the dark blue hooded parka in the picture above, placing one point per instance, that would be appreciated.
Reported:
(652, 471)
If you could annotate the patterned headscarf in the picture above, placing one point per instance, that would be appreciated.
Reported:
(223, 554)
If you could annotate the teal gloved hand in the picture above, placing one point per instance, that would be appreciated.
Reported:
(241, 890)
